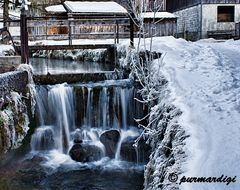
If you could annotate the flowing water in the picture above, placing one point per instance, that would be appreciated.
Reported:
(54, 66)
(83, 111)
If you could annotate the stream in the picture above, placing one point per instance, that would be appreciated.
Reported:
(84, 137)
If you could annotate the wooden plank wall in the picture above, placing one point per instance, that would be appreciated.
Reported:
(163, 28)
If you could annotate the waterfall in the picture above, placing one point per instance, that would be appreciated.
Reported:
(58, 115)
(61, 107)
(124, 135)
(123, 99)
(89, 108)
(103, 107)
(81, 113)
(43, 139)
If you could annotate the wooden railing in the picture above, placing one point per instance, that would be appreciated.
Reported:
(71, 28)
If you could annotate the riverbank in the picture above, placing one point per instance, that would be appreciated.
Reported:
(194, 119)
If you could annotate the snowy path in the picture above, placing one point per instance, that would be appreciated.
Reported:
(204, 80)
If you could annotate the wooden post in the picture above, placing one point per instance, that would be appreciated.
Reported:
(117, 32)
(46, 26)
(5, 13)
(131, 30)
(5, 20)
(69, 29)
(23, 30)
(26, 42)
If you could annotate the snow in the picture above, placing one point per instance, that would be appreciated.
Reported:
(12, 14)
(204, 83)
(158, 15)
(94, 7)
(56, 9)
(5, 48)
(76, 42)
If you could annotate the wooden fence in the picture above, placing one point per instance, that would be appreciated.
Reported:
(70, 28)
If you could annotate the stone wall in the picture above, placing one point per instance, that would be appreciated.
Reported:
(13, 81)
(13, 110)
(9, 63)
(188, 23)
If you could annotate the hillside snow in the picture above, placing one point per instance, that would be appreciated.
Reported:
(204, 82)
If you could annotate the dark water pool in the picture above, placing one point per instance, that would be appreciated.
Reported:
(39, 172)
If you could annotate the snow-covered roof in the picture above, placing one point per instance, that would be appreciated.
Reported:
(94, 7)
(158, 15)
(56, 9)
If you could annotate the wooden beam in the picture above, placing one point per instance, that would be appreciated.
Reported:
(73, 78)
(23, 37)
(5, 13)
(131, 30)
(64, 47)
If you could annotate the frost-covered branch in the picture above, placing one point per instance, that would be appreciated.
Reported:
(143, 66)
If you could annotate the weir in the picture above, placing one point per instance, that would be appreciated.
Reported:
(84, 130)
(86, 112)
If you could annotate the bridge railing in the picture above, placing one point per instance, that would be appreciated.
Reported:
(72, 28)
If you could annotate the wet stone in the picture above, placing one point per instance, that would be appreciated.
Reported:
(85, 152)
(43, 139)
(110, 140)
(131, 153)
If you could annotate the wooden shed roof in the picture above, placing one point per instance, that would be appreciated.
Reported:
(88, 7)
(94, 7)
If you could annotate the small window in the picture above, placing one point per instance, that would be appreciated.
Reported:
(225, 14)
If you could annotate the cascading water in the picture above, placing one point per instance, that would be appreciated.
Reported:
(78, 116)
(104, 100)
(60, 117)
(60, 101)
(43, 139)
(84, 139)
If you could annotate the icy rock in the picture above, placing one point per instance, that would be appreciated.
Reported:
(110, 140)
(43, 139)
(77, 138)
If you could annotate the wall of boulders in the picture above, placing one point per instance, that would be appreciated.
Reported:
(14, 119)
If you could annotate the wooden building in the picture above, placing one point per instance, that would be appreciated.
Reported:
(159, 24)
(82, 20)
(205, 18)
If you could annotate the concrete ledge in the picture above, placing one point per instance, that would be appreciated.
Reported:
(75, 78)
(13, 81)
(9, 63)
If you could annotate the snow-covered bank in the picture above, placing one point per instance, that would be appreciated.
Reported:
(195, 123)
(6, 50)
(93, 55)
(204, 84)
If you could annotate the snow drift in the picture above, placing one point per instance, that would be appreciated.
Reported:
(198, 113)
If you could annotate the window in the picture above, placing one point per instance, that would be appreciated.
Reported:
(225, 14)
